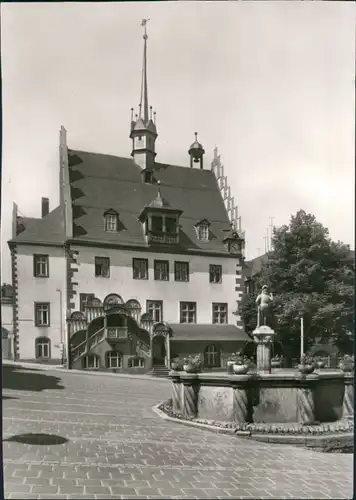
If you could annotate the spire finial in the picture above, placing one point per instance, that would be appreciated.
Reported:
(159, 195)
(196, 135)
(144, 92)
(144, 24)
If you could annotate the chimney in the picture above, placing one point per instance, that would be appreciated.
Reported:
(45, 207)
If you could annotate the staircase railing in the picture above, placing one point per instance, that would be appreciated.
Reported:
(112, 333)
(79, 350)
(144, 350)
(96, 338)
(86, 345)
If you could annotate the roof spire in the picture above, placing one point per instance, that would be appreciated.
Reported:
(144, 92)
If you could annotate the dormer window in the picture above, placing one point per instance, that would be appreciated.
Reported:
(160, 221)
(111, 220)
(202, 229)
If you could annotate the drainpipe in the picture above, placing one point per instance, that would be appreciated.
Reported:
(61, 324)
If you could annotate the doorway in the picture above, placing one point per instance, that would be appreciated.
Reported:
(158, 350)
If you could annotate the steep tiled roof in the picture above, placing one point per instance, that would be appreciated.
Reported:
(182, 332)
(99, 182)
(47, 230)
(253, 267)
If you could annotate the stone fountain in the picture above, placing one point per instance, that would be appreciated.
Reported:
(283, 397)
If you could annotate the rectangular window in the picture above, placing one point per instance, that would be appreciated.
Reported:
(114, 360)
(91, 361)
(155, 308)
(136, 363)
(42, 314)
(161, 270)
(157, 224)
(111, 222)
(84, 298)
(215, 273)
(219, 313)
(102, 267)
(140, 269)
(42, 348)
(188, 312)
(40, 266)
(203, 232)
(181, 271)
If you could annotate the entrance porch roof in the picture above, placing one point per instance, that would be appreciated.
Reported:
(213, 333)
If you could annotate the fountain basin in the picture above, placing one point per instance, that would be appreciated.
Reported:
(281, 397)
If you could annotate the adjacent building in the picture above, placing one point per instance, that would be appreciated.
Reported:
(140, 262)
(6, 321)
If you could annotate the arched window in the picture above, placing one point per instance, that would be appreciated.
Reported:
(113, 359)
(43, 347)
(212, 356)
(91, 362)
(134, 308)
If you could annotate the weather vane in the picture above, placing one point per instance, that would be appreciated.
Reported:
(144, 24)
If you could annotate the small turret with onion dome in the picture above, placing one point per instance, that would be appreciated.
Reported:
(196, 152)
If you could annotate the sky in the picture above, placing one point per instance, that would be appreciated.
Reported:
(270, 83)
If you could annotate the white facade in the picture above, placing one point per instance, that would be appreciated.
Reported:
(31, 289)
(198, 289)
(53, 289)
(6, 316)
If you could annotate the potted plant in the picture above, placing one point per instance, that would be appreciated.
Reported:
(347, 363)
(276, 361)
(192, 363)
(241, 365)
(230, 363)
(306, 365)
(320, 362)
(177, 364)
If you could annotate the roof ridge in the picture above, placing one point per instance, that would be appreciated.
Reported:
(100, 154)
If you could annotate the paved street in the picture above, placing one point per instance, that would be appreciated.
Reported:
(108, 443)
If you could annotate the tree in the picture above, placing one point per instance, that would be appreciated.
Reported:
(311, 276)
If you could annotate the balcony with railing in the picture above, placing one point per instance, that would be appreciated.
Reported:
(162, 237)
(116, 333)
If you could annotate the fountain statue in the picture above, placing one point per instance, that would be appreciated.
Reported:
(263, 301)
(263, 334)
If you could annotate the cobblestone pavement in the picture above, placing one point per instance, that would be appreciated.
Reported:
(117, 447)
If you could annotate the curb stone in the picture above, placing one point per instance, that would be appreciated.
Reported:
(211, 428)
(300, 440)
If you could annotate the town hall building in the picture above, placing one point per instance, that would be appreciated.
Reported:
(140, 262)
